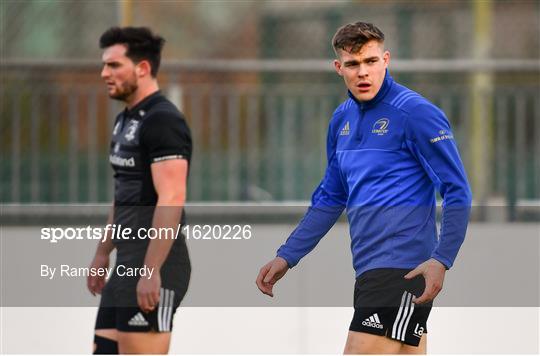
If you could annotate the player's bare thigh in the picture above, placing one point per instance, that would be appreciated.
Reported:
(364, 343)
(421, 349)
(143, 342)
(111, 334)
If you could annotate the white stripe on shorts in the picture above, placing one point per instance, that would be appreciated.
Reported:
(408, 319)
(166, 309)
(160, 309)
(403, 318)
(398, 317)
(170, 309)
(406, 311)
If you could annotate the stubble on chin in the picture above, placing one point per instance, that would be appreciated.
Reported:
(125, 92)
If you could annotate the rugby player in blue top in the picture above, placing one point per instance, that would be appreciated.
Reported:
(388, 150)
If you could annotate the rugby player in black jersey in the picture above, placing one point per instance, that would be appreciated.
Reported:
(150, 153)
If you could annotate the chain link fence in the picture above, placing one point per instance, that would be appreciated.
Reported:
(256, 83)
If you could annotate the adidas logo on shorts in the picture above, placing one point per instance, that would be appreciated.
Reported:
(373, 322)
(138, 320)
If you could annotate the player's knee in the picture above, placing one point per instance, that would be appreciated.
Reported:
(105, 346)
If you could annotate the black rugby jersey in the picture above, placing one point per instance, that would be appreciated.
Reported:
(153, 130)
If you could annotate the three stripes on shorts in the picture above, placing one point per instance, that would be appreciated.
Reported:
(165, 309)
(403, 317)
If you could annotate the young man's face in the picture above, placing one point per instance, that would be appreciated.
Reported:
(119, 72)
(363, 71)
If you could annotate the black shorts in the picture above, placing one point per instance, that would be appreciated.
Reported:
(383, 305)
(119, 309)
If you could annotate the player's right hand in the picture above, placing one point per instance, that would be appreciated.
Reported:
(270, 273)
(96, 283)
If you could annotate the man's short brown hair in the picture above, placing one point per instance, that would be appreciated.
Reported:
(352, 37)
(141, 43)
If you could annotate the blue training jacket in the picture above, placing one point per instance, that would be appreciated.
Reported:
(386, 157)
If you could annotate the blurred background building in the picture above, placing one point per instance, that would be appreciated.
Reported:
(256, 83)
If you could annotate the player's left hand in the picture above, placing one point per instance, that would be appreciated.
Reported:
(148, 292)
(433, 272)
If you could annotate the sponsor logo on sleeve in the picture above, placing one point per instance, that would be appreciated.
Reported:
(443, 135)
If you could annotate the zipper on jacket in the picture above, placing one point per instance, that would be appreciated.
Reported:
(358, 133)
